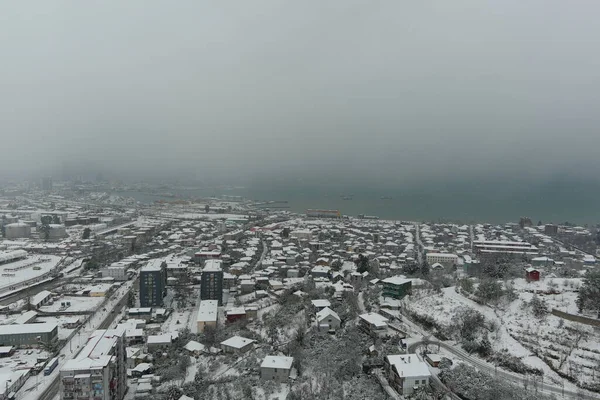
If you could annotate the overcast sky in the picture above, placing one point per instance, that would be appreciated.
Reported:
(395, 89)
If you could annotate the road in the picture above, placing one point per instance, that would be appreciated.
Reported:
(419, 244)
(77, 342)
(262, 256)
(520, 380)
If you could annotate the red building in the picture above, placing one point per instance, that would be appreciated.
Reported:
(532, 274)
(235, 314)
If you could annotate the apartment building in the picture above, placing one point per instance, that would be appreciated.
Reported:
(99, 372)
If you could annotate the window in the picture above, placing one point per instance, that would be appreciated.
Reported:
(424, 381)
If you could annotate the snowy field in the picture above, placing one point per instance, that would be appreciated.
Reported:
(570, 347)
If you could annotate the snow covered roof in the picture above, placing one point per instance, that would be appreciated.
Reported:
(279, 362)
(207, 312)
(396, 280)
(327, 312)
(237, 342)
(321, 303)
(192, 345)
(212, 265)
(159, 339)
(408, 365)
(236, 311)
(374, 319)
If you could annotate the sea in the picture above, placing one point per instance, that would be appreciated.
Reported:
(552, 202)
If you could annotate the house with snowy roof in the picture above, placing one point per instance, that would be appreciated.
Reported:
(406, 373)
(328, 320)
(276, 368)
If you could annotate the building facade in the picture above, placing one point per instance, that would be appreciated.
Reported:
(211, 282)
(406, 373)
(396, 287)
(153, 284)
(28, 334)
(276, 368)
(99, 372)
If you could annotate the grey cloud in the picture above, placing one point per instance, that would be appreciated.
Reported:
(259, 88)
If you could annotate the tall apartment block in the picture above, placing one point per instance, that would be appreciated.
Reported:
(211, 283)
(153, 283)
(99, 372)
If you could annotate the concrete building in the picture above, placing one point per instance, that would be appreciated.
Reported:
(116, 271)
(57, 231)
(11, 382)
(207, 314)
(153, 284)
(202, 256)
(374, 324)
(446, 259)
(551, 229)
(504, 247)
(40, 299)
(99, 372)
(28, 334)
(211, 283)
(276, 368)
(237, 345)
(406, 373)
(17, 230)
(396, 287)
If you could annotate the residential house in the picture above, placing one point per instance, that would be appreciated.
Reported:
(237, 345)
(406, 373)
(396, 287)
(276, 368)
(374, 324)
(532, 274)
(328, 320)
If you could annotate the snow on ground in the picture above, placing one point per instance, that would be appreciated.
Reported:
(32, 267)
(177, 321)
(572, 347)
(443, 308)
(78, 304)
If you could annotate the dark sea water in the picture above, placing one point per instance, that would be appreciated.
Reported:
(498, 202)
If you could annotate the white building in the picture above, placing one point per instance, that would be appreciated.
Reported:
(301, 234)
(207, 314)
(373, 323)
(115, 271)
(442, 258)
(328, 320)
(406, 373)
(99, 372)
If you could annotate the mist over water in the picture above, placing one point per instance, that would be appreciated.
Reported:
(557, 202)
(463, 110)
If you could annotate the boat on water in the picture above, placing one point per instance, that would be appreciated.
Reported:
(386, 198)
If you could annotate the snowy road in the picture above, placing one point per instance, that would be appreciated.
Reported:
(507, 376)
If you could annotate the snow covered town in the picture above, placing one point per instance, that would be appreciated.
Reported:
(105, 298)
